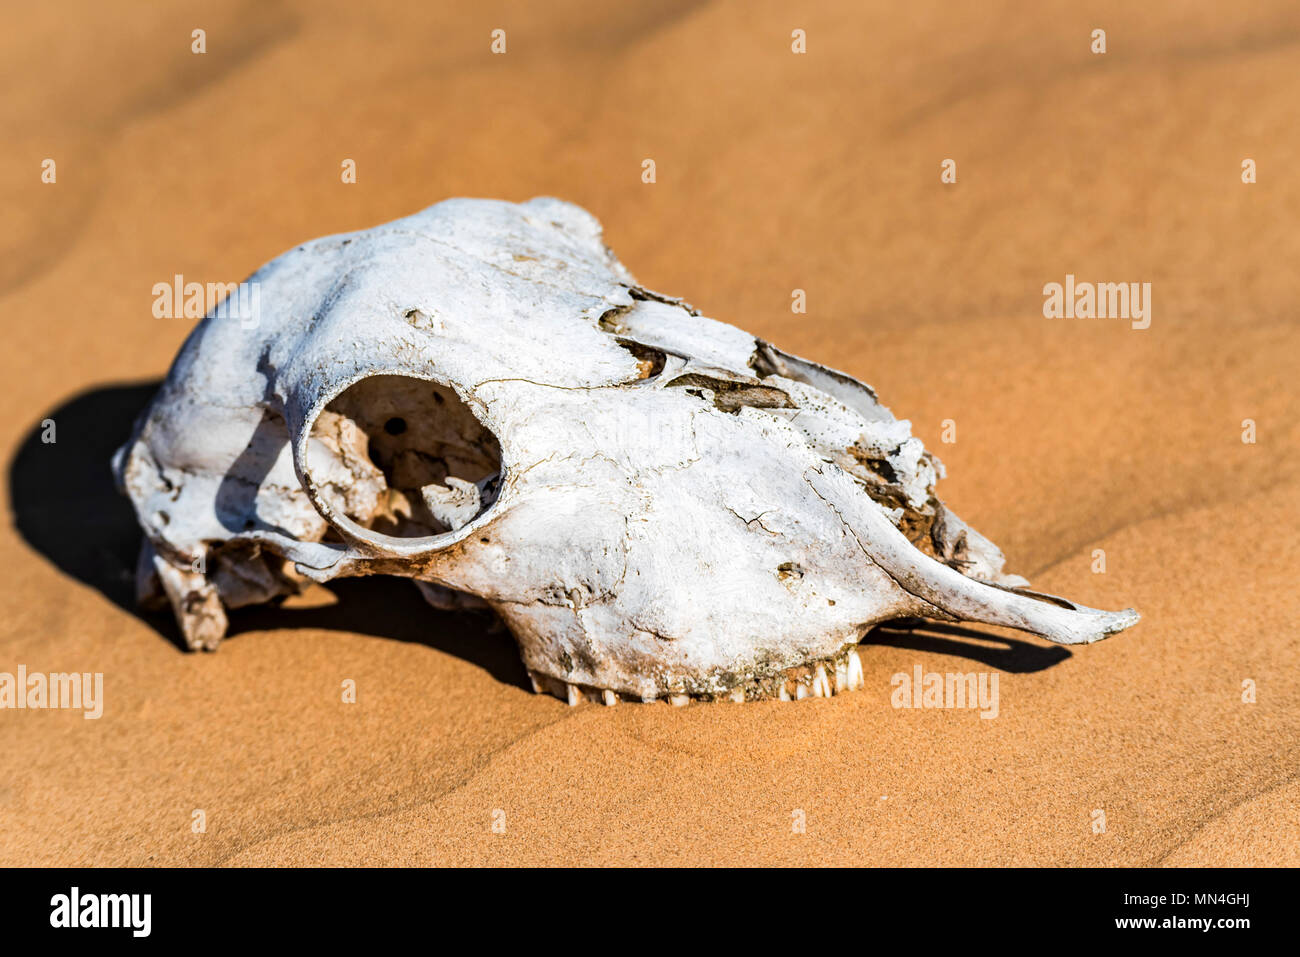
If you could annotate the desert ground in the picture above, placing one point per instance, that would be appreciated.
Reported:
(775, 171)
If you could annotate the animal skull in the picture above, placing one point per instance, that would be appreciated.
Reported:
(481, 398)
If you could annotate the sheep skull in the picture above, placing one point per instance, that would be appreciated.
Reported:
(480, 398)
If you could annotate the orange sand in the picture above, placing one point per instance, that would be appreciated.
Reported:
(775, 171)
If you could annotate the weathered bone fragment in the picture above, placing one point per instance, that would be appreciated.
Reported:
(481, 398)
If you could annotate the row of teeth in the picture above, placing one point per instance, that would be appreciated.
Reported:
(822, 680)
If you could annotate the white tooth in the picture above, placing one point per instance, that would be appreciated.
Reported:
(855, 670)
(842, 677)
(783, 695)
(800, 691)
(821, 683)
(680, 700)
(610, 698)
(575, 695)
(537, 685)
(737, 695)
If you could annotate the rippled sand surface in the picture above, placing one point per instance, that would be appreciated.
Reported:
(775, 172)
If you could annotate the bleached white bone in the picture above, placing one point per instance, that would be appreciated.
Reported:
(452, 504)
(480, 398)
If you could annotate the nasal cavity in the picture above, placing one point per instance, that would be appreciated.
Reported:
(404, 457)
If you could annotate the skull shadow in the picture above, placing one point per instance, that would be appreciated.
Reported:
(65, 506)
(1011, 655)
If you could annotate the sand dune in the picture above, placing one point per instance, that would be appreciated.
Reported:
(775, 171)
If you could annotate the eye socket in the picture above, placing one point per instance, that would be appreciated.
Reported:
(430, 465)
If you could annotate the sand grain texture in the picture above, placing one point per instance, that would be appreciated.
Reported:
(775, 172)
